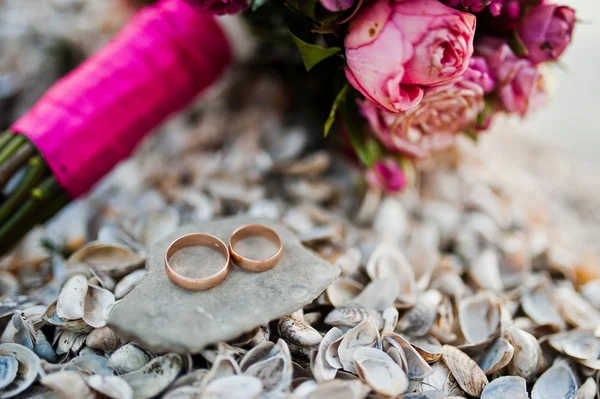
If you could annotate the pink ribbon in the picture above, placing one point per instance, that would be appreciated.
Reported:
(95, 116)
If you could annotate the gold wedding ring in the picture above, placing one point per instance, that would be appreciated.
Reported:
(191, 240)
(255, 265)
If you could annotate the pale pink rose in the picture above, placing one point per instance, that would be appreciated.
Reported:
(395, 47)
(520, 85)
(431, 126)
(387, 176)
(546, 31)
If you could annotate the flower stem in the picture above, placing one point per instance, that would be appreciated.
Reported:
(15, 142)
(14, 163)
(31, 178)
(5, 138)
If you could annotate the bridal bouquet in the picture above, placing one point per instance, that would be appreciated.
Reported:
(413, 75)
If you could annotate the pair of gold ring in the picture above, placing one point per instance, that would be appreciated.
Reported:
(207, 240)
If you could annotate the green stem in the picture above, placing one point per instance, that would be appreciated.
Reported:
(15, 162)
(5, 138)
(31, 178)
(11, 147)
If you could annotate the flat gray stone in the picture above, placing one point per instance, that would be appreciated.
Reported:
(165, 318)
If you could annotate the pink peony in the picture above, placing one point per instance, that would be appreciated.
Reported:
(394, 47)
(520, 85)
(220, 7)
(431, 126)
(387, 175)
(337, 5)
(546, 31)
(479, 72)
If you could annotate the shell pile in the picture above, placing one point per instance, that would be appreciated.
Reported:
(454, 289)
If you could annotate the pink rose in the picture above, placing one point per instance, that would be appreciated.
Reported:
(431, 126)
(546, 31)
(479, 72)
(337, 5)
(394, 47)
(520, 85)
(387, 175)
(220, 7)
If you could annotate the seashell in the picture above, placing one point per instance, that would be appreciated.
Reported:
(339, 389)
(538, 304)
(154, 377)
(236, 386)
(416, 367)
(66, 340)
(485, 271)
(24, 331)
(71, 299)
(67, 385)
(264, 208)
(390, 319)
(112, 387)
(527, 353)
(111, 233)
(157, 224)
(85, 363)
(576, 310)
(496, 357)
(253, 337)
(104, 339)
(332, 354)
(388, 262)
(9, 285)
(343, 290)
(391, 221)
(516, 260)
(380, 372)
(418, 320)
(587, 390)
(366, 334)
(50, 317)
(97, 303)
(467, 373)
(479, 320)
(128, 358)
(310, 190)
(578, 344)
(556, 382)
(8, 370)
(506, 387)
(445, 215)
(448, 283)
(445, 315)
(128, 283)
(429, 348)
(441, 380)
(377, 295)
(349, 261)
(12, 304)
(103, 279)
(114, 260)
(28, 368)
(184, 392)
(369, 206)
(294, 330)
(351, 316)
(321, 368)
(429, 395)
(275, 371)
(78, 343)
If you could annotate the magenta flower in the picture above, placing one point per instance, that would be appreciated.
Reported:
(220, 7)
(387, 175)
(337, 5)
(520, 85)
(546, 31)
(394, 48)
(431, 126)
(479, 72)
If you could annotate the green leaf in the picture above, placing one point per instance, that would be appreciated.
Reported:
(341, 97)
(354, 126)
(312, 54)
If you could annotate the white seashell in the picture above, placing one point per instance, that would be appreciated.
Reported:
(506, 387)
(379, 371)
(591, 292)
(418, 320)
(339, 389)
(558, 382)
(154, 377)
(349, 261)
(485, 271)
(365, 334)
(9, 285)
(539, 305)
(28, 368)
(276, 370)
(332, 354)
(496, 357)
(113, 259)
(416, 367)
(8, 370)
(321, 368)
(50, 317)
(378, 295)
(575, 309)
(587, 390)
(237, 386)
(68, 385)
(391, 221)
(71, 300)
(295, 331)
(184, 392)
(444, 214)
(441, 380)
(66, 340)
(97, 304)
(256, 354)
(467, 373)
(157, 224)
(390, 319)
(388, 262)
(352, 315)
(428, 347)
(104, 339)
(128, 283)
(479, 319)
(112, 387)
(128, 358)
(527, 353)
(77, 344)
(342, 291)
